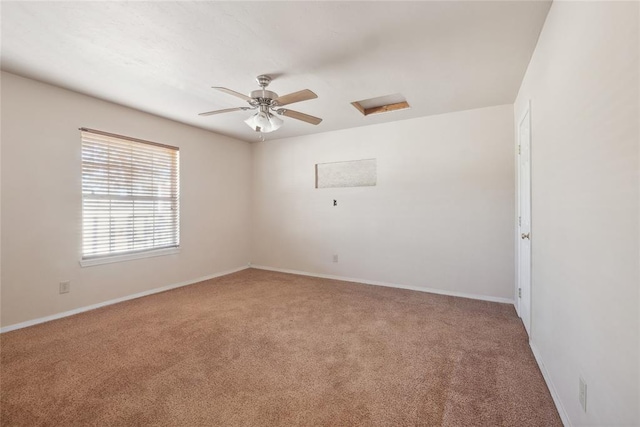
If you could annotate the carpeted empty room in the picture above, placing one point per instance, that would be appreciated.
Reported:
(262, 348)
(320, 213)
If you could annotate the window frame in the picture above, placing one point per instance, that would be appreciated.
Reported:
(91, 260)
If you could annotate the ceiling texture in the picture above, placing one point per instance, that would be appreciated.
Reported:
(163, 57)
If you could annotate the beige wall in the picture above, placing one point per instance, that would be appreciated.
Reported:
(583, 87)
(41, 204)
(440, 217)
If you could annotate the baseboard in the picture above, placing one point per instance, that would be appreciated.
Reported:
(389, 285)
(224, 273)
(552, 389)
(115, 301)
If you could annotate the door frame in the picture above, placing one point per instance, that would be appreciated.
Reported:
(526, 114)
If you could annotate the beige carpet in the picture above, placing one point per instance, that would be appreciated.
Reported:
(258, 348)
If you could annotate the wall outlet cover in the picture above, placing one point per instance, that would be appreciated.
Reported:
(65, 287)
(582, 394)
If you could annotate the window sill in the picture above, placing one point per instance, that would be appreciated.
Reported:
(128, 257)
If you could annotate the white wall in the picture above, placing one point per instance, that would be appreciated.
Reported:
(583, 86)
(441, 215)
(41, 201)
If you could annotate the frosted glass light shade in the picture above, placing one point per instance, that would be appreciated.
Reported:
(264, 122)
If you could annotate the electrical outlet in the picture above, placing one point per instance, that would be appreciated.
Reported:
(582, 394)
(65, 287)
(335, 258)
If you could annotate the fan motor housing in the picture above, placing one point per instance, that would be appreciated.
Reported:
(264, 94)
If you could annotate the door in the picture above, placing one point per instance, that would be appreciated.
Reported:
(524, 220)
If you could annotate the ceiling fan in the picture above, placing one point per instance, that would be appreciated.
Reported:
(267, 103)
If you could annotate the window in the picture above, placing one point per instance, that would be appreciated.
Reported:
(130, 198)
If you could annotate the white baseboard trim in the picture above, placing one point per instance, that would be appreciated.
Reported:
(389, 285)
(116, 300)
(552, 389)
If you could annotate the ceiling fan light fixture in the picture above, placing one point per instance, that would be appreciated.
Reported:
(269, 105)
(264, 122)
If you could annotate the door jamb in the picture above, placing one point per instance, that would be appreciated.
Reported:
(527, 110)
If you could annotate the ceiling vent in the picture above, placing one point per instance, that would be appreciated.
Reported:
(381, 104)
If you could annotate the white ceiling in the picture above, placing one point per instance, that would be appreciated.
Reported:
(163, 57)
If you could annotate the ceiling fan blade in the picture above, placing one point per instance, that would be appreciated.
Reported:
(300, 116)
(233, 92)
(226, 110)
(301, 95)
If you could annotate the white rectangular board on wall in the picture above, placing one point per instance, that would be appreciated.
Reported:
(352, 173)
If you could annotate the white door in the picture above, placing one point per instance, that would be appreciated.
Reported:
(524, 221)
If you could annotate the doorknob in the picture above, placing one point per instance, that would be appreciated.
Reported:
(525, 236)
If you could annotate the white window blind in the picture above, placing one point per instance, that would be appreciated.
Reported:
(130, 195)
